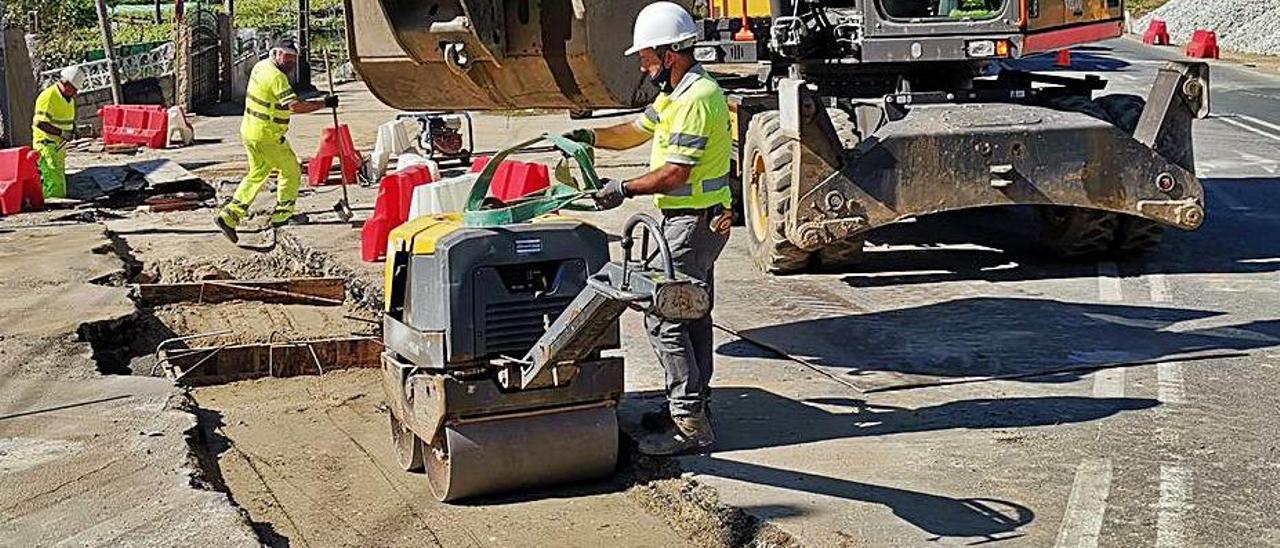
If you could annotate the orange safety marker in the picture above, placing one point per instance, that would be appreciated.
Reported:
(1064, 59)
(744, 34)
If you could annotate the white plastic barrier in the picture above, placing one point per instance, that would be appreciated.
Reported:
(444, 196)
(394, 138)
(178, 125)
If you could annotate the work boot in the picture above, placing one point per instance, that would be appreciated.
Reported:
(687, 434)
(657, 421)
(227, 229)
(660, 420)
(278, 221)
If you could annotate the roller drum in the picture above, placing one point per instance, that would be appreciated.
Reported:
(521, 451)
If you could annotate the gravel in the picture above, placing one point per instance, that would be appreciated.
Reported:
(1247, 26)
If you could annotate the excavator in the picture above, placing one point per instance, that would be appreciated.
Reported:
(850, 115)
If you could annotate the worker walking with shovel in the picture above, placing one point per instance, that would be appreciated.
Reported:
(269, 101)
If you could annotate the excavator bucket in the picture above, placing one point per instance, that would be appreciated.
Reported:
(497, 54)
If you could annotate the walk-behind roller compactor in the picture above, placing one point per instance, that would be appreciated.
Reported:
(495, 324)
(857, 113)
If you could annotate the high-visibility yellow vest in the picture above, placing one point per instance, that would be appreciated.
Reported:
(57, 110)
(690, 126)
(266, 103)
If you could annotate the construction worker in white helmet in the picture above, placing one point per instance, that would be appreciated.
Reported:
(688, 125)
(269, 101)
(52, 126)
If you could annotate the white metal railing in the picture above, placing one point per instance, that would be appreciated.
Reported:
(155, 63)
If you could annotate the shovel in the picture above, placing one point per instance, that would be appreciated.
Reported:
(343, 207)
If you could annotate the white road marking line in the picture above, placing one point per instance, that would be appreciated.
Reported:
(1266, 164)
(1169, 383)
(1175, 501)
(1159, 288)
(1109, 383)
(1249, 128)
(1109, 282)
(1082, 522)
(1257, 121)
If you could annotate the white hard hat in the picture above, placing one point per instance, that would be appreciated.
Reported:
(73, 75)
(663, 24)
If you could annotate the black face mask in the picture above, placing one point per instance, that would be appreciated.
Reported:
(663, 78)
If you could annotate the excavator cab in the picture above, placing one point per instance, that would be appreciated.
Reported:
(901, 31)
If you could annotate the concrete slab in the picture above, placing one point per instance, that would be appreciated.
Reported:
(88, 460)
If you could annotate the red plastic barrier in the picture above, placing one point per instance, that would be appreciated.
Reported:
(386, 215)
(332, 145)
(408, 179)
(514, 179)
(20, 181)
(1203, 45)
(395, 196)
(146, 125)
(1064, 59)
(1157, 33)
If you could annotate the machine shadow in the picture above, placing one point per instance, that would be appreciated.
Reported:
(1037, 340)
(748, 418)
(1083, 59)
(999, 244)
(940, 516)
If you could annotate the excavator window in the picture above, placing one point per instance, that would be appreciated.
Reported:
(953, 10)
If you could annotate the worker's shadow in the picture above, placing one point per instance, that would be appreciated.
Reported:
(1033, 340)
(748, 418)
(940, 516)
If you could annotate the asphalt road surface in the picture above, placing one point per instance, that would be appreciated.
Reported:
(958, 388)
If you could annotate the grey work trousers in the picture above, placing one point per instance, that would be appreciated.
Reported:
(684, 347)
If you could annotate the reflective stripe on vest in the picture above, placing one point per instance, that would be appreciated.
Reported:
(265, 118)
(708, 186)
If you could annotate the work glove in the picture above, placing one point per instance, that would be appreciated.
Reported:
(581, 135)
(331, 101)
(611, 195)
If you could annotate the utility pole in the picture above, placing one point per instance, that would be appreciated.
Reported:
(6, 113)
(304, 46)
(109, 47)
(227, 51)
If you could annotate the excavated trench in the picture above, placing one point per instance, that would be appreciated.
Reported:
(290, 445)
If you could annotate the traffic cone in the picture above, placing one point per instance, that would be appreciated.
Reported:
(1064, 59)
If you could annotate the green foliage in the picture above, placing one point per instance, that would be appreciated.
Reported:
(69, 31)
(54, 15)
(1143, 7)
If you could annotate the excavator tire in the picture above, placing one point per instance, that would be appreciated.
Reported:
(840, 254)
(766, 181)
(1135, 235)
(1074, 233)
(1077, 233)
